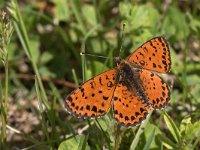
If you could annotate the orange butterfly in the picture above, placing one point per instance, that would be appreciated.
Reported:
(132, 87)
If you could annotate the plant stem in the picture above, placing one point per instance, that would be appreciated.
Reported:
(4, 106)
(45, 100)
(6, 85)
(117, 137)
(184, 74)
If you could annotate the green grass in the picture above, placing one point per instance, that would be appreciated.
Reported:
(45, 47)
(6, 30)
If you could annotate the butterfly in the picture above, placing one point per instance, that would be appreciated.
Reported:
(132, 88)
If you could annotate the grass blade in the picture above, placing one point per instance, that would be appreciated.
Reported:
(150, 139)
(167, 142)
(172, 127)
(139, 132)
(41, 108)
(22, 33)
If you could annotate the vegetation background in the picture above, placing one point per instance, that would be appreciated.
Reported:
(41, 64)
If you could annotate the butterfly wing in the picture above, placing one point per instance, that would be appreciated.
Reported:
(153, 55)
(155, 89)
(94, 97)
(128, 110)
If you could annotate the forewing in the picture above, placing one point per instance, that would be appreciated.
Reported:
(128, 110)
(155, 89)
(94, 97)
(153, 55)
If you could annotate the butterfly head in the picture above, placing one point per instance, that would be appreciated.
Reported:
(118, 61)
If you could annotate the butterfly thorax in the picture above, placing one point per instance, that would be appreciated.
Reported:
(129, 75)
(120, 62)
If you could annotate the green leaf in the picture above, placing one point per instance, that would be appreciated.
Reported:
(78, 142)
(98, 46)
(139, 132)
(45, 72)
(166, 141)
(46, 57)
(34, 49)
(103, 123)
(107, 123)
(192, 131)
(98, 67)
(184, 123)
(194, 23)
(124, 9)
(89, 14)
(193, 80)
(12, 54)
(172, 127)
(61, 10)
(149, 141)
(147, 15)
(155, 144)
(178, 28)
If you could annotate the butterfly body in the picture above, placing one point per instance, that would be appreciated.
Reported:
(128, 74)
(132, 88)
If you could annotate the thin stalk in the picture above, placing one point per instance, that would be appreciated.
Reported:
(117, 137)
(3, 119)
(75, 77)
(184, 74)
(84, 68)
(41, 85)
(5, 108)
(41, 109)
(6, 85)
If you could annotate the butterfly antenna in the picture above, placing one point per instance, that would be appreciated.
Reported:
(122, 39)
(93, 55)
